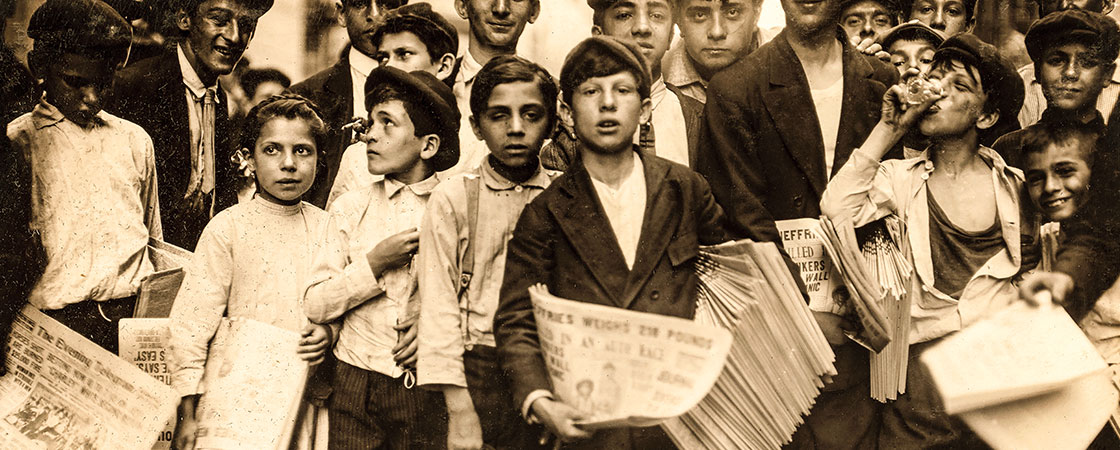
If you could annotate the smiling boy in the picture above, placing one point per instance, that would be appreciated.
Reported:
(176, 98)
(621, 228)
(365, 276)
(94, 198)
(462, 259)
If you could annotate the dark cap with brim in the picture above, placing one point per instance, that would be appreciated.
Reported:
(420, 15)
(625, 51)
(1097, 31)
(999, 78)
(432, 94)
(909, 31)
(80, 25)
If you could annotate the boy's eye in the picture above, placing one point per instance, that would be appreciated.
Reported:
(381, 57)
(732, 13)
(698, 15)
(955, 12)
(623, 15)
(304, 150)
(270, 150)
(218, 19)
(532, 116)
(882, 21)
(496, 116)
(74, 81)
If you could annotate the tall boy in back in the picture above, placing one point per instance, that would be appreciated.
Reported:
(413, 37)
(464, 233)
(94, 198)
(621, 228)
(961, 206)
(365, 275)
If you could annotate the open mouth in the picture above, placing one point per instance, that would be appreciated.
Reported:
(1055, 203)
(607, 126)
(224, 51)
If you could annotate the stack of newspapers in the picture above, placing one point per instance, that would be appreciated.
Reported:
(778, 359)
(889, 267)
(839, 239)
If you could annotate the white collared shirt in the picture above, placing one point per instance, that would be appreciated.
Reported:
(625, 208)
(472, 150)
(195, 90)
(360, 67)
(670, 134)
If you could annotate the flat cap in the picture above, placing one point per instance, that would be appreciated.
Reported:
(419, 16)
(599, 46)
(912, 30)
(1097, 31)
(998, 76)
(79, 25)
(430, 93)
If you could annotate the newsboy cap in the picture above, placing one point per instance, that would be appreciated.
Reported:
(1097, 31)
(425, 22)
(912, 30)
(79, 25)
(624, 51)
(432, 94)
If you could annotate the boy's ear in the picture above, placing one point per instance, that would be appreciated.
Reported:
(461, 9)
(446, 66)
(474, 127)
(431, 146)
(565, 112)
(987, 120)
(534, 11)
(647, 111)
(340, 17)
(596, 30)
(1109, 70)
(183, 20)
(37, 66)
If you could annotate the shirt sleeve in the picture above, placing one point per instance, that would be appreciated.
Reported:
(862, 191)
(149, 193)
(441, 341)
(199, 306)
(337, 283)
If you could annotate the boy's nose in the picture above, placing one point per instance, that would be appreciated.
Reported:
(500, 8)
(91, 97)
(516, 127)
(718, 31)
(938, 21)
(1053, 184)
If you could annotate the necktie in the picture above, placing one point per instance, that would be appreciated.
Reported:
(201, 183)
(646, 137)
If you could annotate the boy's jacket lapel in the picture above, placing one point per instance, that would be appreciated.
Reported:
(586, 226)
(659, 224)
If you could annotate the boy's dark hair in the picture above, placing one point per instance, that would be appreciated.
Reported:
(431, 28)
(894, 10)
(602, 56)
(511, 69)
(383, 4)
(1039, 137)
(969, 9)
(599, 9)
(191, 8)
(288, 106)
(255, 77)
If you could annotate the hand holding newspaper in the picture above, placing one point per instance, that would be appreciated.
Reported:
(622, 367)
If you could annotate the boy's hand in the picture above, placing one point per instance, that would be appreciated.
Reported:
(187, 426)
(833, 327)
(404, 353)
(1034, 287)
(314, 344)
(870, 47)
(394, 251)
(899, 115)
(558, 417)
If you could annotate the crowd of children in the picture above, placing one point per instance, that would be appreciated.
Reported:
(454, 181)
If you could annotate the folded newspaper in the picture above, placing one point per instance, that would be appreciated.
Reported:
(622, 367)
(1025, 378)
(865, 293)
(64, 392)
(779, 357)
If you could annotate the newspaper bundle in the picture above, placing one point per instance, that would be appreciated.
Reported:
(1025, 378)
(622, 367)
(821, 279)
(892, 271)
(864, 293)
(779, 357)
(64, 392)
(253, 382)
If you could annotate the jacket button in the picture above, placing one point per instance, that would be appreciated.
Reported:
(655, 295)
(797, 201)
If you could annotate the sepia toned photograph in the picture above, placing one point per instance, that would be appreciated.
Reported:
(559, 224)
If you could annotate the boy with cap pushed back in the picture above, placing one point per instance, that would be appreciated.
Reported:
(413, 37)
(620, 228)
(961, 205)
(94, 199)
(365, 276)
(1074, 53)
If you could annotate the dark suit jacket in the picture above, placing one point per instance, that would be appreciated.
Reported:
(22, 258)
(151, 93)
(332, 91)
(564, 240)
(761, 148)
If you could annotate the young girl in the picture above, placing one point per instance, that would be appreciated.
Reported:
(252, 259)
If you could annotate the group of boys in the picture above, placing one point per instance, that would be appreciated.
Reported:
(448, 201)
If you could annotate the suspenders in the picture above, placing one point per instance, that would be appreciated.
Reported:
(472, 184)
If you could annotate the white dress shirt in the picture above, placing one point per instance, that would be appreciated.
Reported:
(625, 208)
(360, 67)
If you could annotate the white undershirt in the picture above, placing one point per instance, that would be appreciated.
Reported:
(360, 67)
(828, 102)
(670, 136)
(625, 208)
